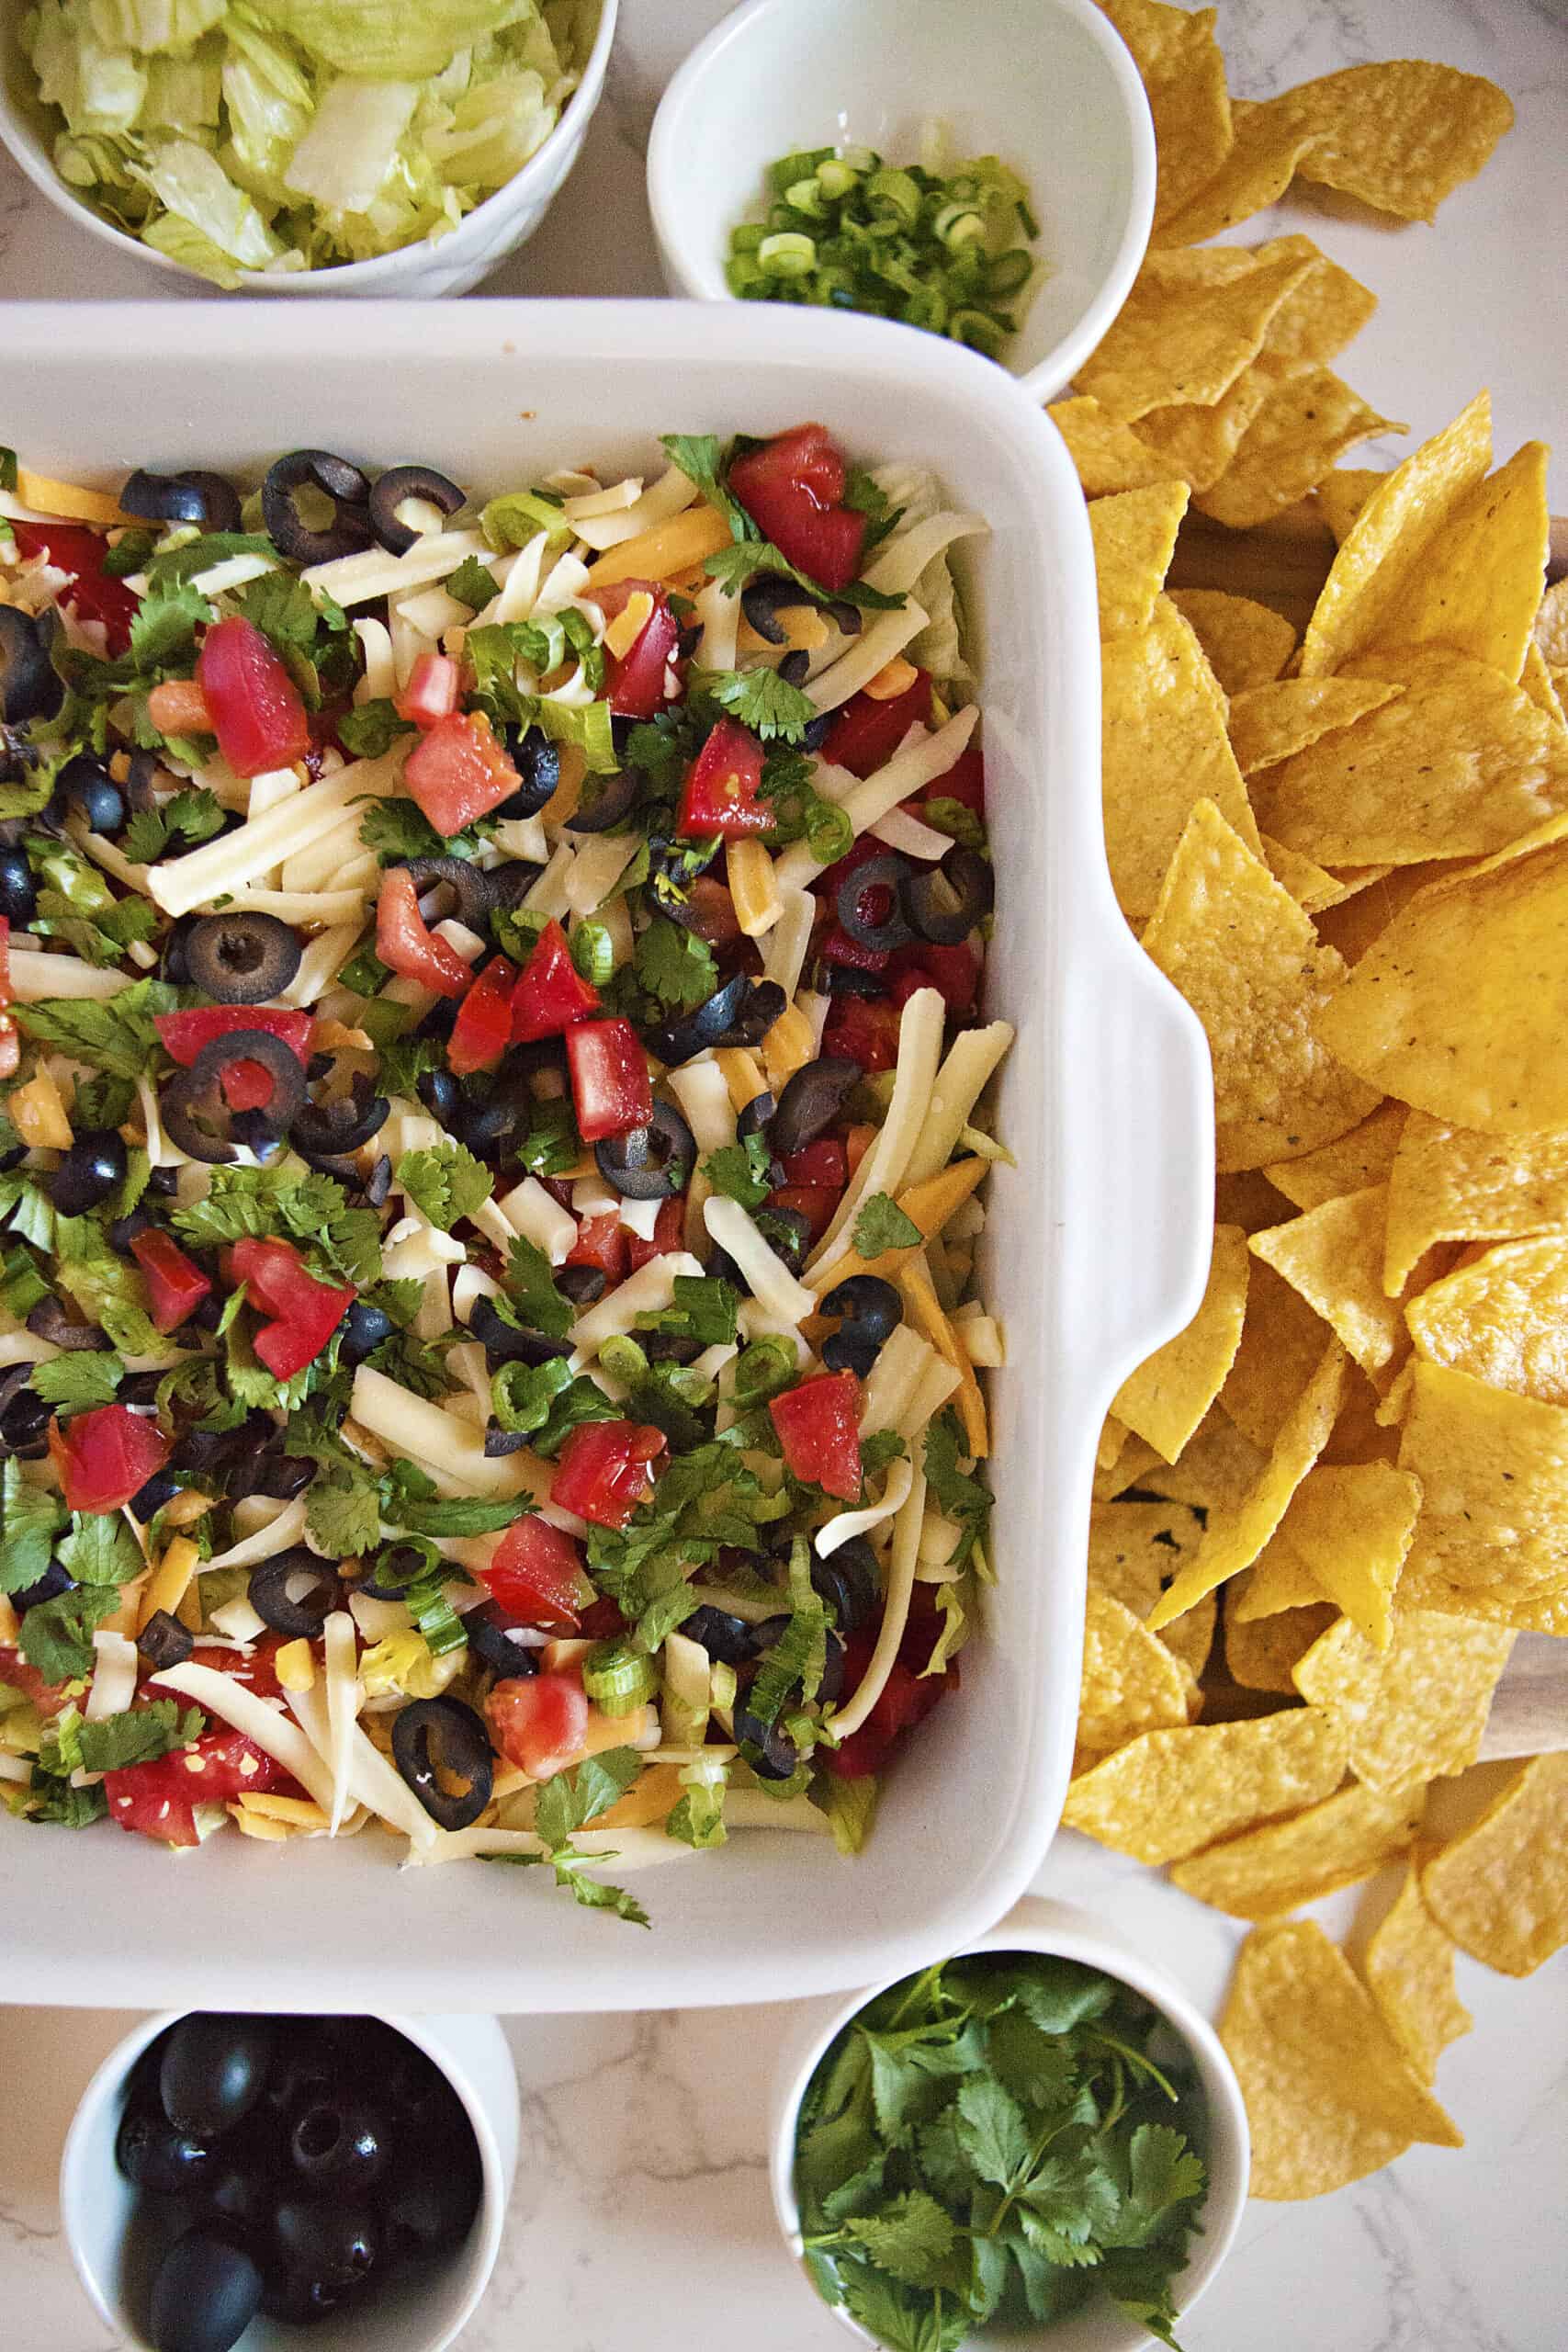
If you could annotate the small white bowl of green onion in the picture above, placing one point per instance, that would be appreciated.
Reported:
(985, 173)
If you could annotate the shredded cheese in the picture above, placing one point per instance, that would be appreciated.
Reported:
(114, 1676)
(540, 1218)
(844, 1524)
(609, 528)
(937, 1382)
(701, 1089)
(892, 1379)
(359, 578)
(36, 975)
(218, 1694)
(648, 1292)
(223, 866)
(971, 1061)
(882, 1167)
(901, 1566)
(913, 766)
(895, 566)
(412, 1425)
(866, 655)
(345, 1699)
(773, 1287)
(375, 1782)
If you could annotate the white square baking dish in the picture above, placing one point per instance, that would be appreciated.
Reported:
(1098, 1238)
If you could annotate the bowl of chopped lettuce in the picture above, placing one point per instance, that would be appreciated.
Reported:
(305, 146)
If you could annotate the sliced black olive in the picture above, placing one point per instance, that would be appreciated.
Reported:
(378, 1183)
(340, 2145)
(89, 1172)
(729, 1639)
(52, 1321)
(870, 1310)
(86, 786)
(438, 1739)
(775, 1756)
(510, 884)
(851, 1584)
(843, 980)
(817, 730)
(438, 1091)
(767, 595)
(56, 1579)
(487, 1124)
(342, 1124)
(794, 667)
(831, 1687)
(947, 917)
(199, 1118)
(151, 1495)
(124, 1230)
(29, 684)
(18, 894)
(243, 959)
(393, 1571)
(537, 762)
(24, 1418)
(163, 1641)
(610, 806)
(679, 1040)
(365, 1327)
(499, 1442)
(788, 1234)
(350, 529)
(492, 1645)
(197, 497)
(581, 1285)
(505, 1343)
(213, 2070)
(765, 1001)
(649, 1163)
(409, 482)
(300, 1617)
(473, 894)
(811, 1101)
(280, 1477)
(869, 903)
(753, 1119)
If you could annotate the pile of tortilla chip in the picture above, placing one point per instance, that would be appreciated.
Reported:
(1325, 1510)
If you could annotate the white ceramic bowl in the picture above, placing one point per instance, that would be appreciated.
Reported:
(1096, 1244)
(1047, 84)
(423, 2311)
(1066, 1933)
(450, 265)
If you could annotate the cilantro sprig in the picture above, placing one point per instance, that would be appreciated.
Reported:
(568, 1803)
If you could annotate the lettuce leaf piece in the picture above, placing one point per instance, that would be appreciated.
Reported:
(152, 24)
(493, 128)
(98, 85)
(189, 182)
(389, 43)
(183, 93)
(349, 152)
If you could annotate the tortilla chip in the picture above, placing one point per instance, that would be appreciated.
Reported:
(1133, 534)
(1235, 1536)
(1449, 1184)
(1400, 135)
(1329, 2097)
(1165, 747)
(1175, 341)
(1215, 1470)
(1308, 420)
(1262, 1653)
(1133, 1550)
(1169, 1792)
(1273, 722)
(1132, 1458)
(1265, 1874)
(1503, 1321)
(1267, 144)
(1278, 1581)
(1196, 442)
(1184, 78)
(1351, 926)
(1326, 311)
(1416, 1713)
(1348, 1164)
(1385, 545)
(1360, 1434)
(1249, 1200)
(1131, 1681)
(1458, 763)
(1541, 1608)
(1550, 631)
(1493, 1470)
(1247, 959)
(1282, 1347)
(1342, 494)
(1311, 885)
(1333, 1255)
(1353, 1529)
(1459, 1006)
(1112, 1438)
(1108, 457)
(1191, 1637)
(1409, 1970)
(1169, 1395)
(1248, 643)
(1536, 680)
(1501, 1889)
(1479, 583)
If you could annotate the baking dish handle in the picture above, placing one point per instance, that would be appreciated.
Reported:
(1141, 1168)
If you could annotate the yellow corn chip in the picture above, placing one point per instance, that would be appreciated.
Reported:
(1458, 1007)
(1197, 441)
(1262, 1653)
(1184, 78)
(1282, 1346)
(1536, 680)
(1215, 1470)
(1361, 1433)
(1247, 959)
(1268, 145)
(1311, 885)
(1350, 1525)
(1494, 1471)
(1363, 1156)
(1342, 494)
(1309, 419)
(1449, 1184)
(1166, 1397)
(1108, 457)
(1503, 1320)
(1416, 1713)
(1246, 643)
(1112, 1438)
(1165, 746)
(1133, 534)
(1540, 1609)
(1233, 1537)
(1329, 2097)
(1409, 1969)
(1266, 1872)
(1400, 135)
(1350, 927)
(1175, 341)
(1249, 1200)
(1134, 1549)
(1273, 722)
(1278, 1581)
(1552, 624)
(1385, 545)
(1333, 1255)
(1327, 309)
(1130, 1682)
(1479, 583)
(1169, 1792)
(1458, 763)
(1501, 1889)
(1132, 1458)
(1191, 1636)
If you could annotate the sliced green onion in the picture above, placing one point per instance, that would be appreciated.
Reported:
(980, 333)
(617, 1678)
(805, 196)
(895, 193)
(959, 224)
(837, 179)
(1010, 273)
(744, 279)
(788, 255)
(798, 166)
(747, 237)
(593, 954)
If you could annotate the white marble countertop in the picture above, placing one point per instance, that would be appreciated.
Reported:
(642, 2212)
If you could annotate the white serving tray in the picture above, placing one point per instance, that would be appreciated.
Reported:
(1097, 1241)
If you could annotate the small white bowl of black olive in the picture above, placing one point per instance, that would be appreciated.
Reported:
(230, 2179)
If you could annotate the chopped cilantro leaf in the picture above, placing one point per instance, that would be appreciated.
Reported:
(371, 728)
(473, 584)
(530, 1286)
(30, 1517)
(115, 1034)
(74, 1381)
(961, 1494)
(192, 816)
(882, 1225)
(758, 699)
(741, 1172)
(446, 1182)
(675, 965)
(57, 1636)
(112, 1742)
(164, 626)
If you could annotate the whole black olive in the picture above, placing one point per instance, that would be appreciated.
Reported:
(18, 897)
(305, 2069)
(430, 2209)
(362, 1328)
(436, 1741)
(420, 2099)
(56, 1579)
(299, 2302)
(154, 2155)
(334, 2245)
(339, 2146)
(409, 482)
(86, 785)
(206, 2294)
(214, 2069)
(244, 2190)
(850, 1583)
(89, 1173)
(241, 958)
(296, 1617)
(30, 685)
(537, 762)
(729, 1639)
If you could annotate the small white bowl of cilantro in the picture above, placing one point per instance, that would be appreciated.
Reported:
(305, 146)
(1039, 2143)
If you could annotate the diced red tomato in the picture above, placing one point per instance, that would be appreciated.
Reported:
(609, 1085)
(864, 1030)
(906, 1699)
(601, 1620)
(819, 1428)
(814, 1203)
(305, 1312)
(636, 676)
(668, 1233)
(458, 770)
(92, 595)
(159, 1799)
(432, 690)
(866, 734)
(104, 1456)
(175, 1286)
(838, 947)
(537, 1575)
(184, 1034)
(964, 782)
(258, 715)
(539, 1722)
(602, 1242)
(955, 970)
(48, 1698)
(821, 1162)
(719, 797)
(792, 487)
(551, 994)
(482, 1029)
(603, 1471)
(405, 942)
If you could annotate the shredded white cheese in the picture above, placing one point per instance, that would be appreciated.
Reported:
(912, 767)
(345, 1698)
(218, 1694)
(648, 1292)
(846, 1523)
(223, 866)
(774, 1288)
(883, 1168)
(895, 1612)
(358, 579)
(866, 655)
(114, 1676)
(540, 1218)
(971, 1059)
